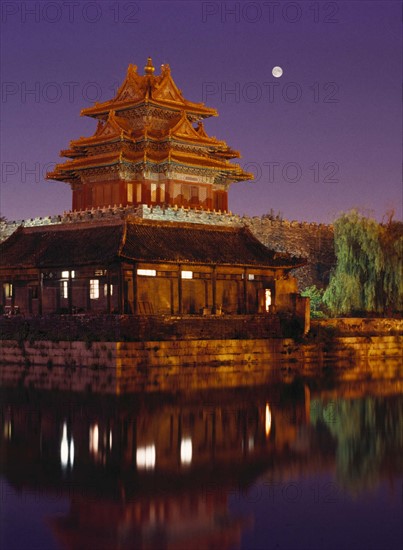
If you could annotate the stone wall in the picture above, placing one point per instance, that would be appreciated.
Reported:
(122, 367)
(315, 242)
(138, 328)
(355, 326)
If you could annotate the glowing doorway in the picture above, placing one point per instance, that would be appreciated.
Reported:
(267, 299)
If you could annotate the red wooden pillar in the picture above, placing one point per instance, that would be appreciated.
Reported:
(12, 294)
(40, 292)
(121, 291)
(135, 290)
(180, 306)
(108, 292)
(214, 289)
(245, 290)
(70, 293)
(225, 201)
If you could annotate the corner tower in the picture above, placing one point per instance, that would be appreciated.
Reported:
(150, 147)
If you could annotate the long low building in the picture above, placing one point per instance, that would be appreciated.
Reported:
(144, 267)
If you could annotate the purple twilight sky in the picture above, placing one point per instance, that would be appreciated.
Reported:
(323, 138)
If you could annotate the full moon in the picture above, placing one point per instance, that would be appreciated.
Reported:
(277, 72)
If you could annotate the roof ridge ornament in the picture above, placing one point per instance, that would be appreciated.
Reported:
(149, 68)
(132, 69)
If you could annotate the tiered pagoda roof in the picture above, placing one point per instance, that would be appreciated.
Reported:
(149, 127)
(152, 91)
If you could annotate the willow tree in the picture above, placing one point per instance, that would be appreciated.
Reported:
(368, 272)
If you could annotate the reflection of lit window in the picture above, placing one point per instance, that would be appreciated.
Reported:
(94, 439)
(64, 289)
(66, 450)
(7, 429)
(153, 192)
(94, 289)
(251, 443)
(145, 457)
(71, 453)
(147, 272)
(110, 440)
(187, 274)
(267, 422)
(186, 450)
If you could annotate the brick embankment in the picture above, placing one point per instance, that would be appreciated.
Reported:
(121, 367)
(138, 328)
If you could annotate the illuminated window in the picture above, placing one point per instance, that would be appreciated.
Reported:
(64, 289)
(65, 274)
(106, 290)
(186, 192)
(94, 289)
(147, 272)
(251, 276)
(177, 190)
(267, 297)
(162, 192)
(8, 290)
(130, 192)
(138, 192)
(153, 192)
(187, 274)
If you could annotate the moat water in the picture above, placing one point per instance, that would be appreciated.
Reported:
(305, 465)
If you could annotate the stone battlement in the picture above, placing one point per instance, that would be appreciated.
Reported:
(167, 213)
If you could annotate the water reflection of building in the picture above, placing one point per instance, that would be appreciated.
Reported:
(148, 474)
(159, 472)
